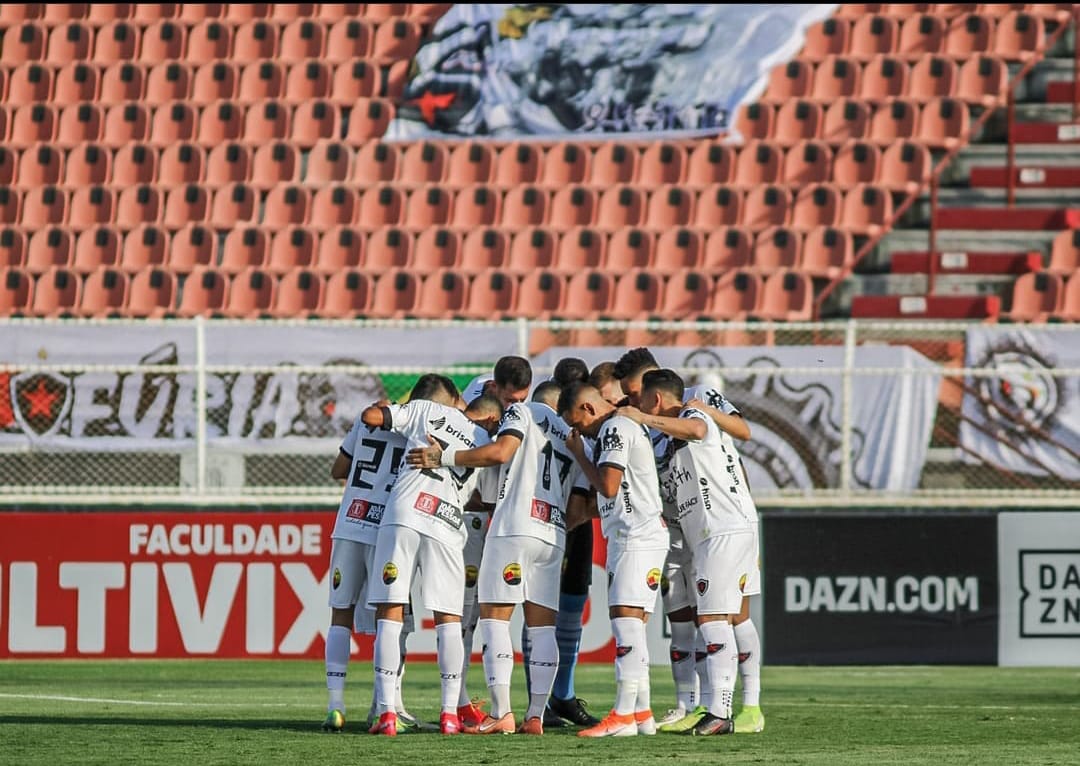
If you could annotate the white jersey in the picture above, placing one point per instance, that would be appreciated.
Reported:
(535, 484)
(712, 397)
(431, 500)
(630, 519)
(376, 456)
(705, 477)
(475, 389)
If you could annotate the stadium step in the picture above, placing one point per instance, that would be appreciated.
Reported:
(960, 262)
(993, 218)
(926, 306)
(1046, 133)
(1056, 177)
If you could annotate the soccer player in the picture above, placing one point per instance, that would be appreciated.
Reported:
(602, 378)
(524, 549)
(423, 527)
(716, 517)
(509, 383)
(368, 460)
(630, 369)
(622, 469)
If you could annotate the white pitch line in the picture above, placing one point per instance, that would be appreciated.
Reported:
(869, 704)
(150, 703)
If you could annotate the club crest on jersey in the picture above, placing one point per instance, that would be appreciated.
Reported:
(437, 423)
(512, 574)
(337, 578)
(389, 572)
(742, 583)
(652, 579)
(702, 586)
(611, 440)
(471, 573)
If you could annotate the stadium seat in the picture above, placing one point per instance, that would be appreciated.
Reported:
(613, 163)
(932, 77)
(638, 294)
(580, 248)
(709, 164)
(44, 205)
(1065, 253)
(285, 206)
(766, 206)
(396, 294)
(444, 294)
(572, 206)
(251, 294)
(727, 247)
(239, 13)
(266, 121)
(754, 120)
(181, 163)
(678, 248)
(524, 205)
(476, 205)
(436, 248)
(214, 81)
(152, 293)
(91, 205)
(30, 83)
(137, 205)
(16, 292)
(981, 80)
(49, 248)
(423, 162)
(630, 248)
(104, 293)
(827, 252)
(866, 209)
(78, 123)
(395, 39)
(856, 162)
(56, 293)
(259, 81)
(163, 40)
(492, 295)
(669, 205)
(884, 77)
(357, 81)
(32, 123)
(532, 248)
(222, 121)
(74, 82)
(1069, 307)
(148, 13)
(87, 164)
(736, 295)
(484, 248)
(275, 163)
(166, 82)
(209, 40)
(123, 84)
(10, 205)
(333, 206)
(328, 161)
(541, 295)
(315, 120)
(244, 248)
(205, 292)
(967, 35)
(808, 162)
(340, 249)
(228, 163)
(662, 163)
(943, 123)
(9, 164)
(790, 81)
(387, 248)
(173, 121)
(688, 295)
(376, 162)
(893, 121)
(349, 38)
(292, 249)
(872, 35)
(829, 37)
(348, 294)
(718, 205)
(13, 14)
(430, 205)
(905, 165)
(920, 35)
(192, 246)
(13, 245)
(796, 121)
(777, 247)
(786, 296)
(1035, 296)
(255, 40)
(836, 77)
(302, 39)
(589, 294)
(564, 163)
(468, 163)
(144, 248)
(25, 42)
(72, 41)
(299, 295)
(844, 120)
(759, 162)
(1018, 35)
(620, 206)
(517, 163)
(134, 164)
(381, 205)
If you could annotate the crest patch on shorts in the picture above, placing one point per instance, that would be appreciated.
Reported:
(702, 586)
(389, 572)
(742, 583)
(471, 573)
(337, 578)
(512, 574)
(652, 579)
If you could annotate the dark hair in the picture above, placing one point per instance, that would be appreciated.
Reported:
(485, 404)
(634, 361)
(602, 374)
(570, 370)
(569, 397)
(513, 372)
(429, 385)
(450, 386)
(665, 380)
(547, 392)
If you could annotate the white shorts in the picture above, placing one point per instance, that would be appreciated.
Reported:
(519, 569)
(634, 576)
(677, 585)
(476, 524)
(350, 570)
(399, 552)
(753, 577)
(722, 567)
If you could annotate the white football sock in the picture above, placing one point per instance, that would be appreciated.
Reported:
(469, 617)
(337, 665)
(682, 664)
(723, 658)
(644, 692)
(749, 645)
(498, 663)
(627, 632)
(399, 704)
(450, 649)
(543, 665)
(701, 667)
(387, 660)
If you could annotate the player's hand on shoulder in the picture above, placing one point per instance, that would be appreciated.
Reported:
(694, 404)
(632, 413)
(425, 457)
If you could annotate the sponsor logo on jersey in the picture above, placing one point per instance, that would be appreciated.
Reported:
(511, 414)
(336, 583)
(702, 586)
(547, 513)
(437, 423)
(389, 572)
(426, 503)
(652, 579)
(611, 440)
(440, 509)
(362, 510)
(471, 573)
(512, 574)
(742, 583)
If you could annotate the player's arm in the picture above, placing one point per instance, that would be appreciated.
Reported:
(497, 452)
(734, 424)
(377, 415)
(580, 509)
(341, 466)
(686, 429)
(576, 446)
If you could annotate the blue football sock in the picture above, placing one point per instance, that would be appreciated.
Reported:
(568, 636)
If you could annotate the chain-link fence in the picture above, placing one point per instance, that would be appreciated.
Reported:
(204, 412)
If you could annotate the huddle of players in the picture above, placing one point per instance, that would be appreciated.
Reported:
(546, 481)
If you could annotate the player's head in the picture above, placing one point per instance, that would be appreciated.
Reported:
(583, 408)
(486, 412)
(629, 369)
(547, 393)
(661, 392)
(602, 378)
(434, 388)
(513, 378)
(570, 370)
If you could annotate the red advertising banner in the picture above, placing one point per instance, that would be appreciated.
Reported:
(190, 584)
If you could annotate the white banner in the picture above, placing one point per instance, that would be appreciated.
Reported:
(79, 408)
(1039, 572)
(511, 70)
(1024, 419)
(796, 418)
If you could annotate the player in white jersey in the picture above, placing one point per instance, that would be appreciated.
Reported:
(622, 469)
(524, 550)
(368, 461)
(704, 478)
(509, 382)
(629, 369)
(422, 528)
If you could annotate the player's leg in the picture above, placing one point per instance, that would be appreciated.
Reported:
(475, 524)
(499, 589)
(541, 594)
(677, 595)
(348, 573)
(443, 593)
(573, 593)
(750, 719)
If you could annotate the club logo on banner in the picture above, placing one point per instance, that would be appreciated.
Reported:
(38, 402)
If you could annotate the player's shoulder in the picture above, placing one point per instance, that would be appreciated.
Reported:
(475, 388)
(616, 432)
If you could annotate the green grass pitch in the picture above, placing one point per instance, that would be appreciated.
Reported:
(195, 713)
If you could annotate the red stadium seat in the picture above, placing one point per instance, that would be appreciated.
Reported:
(209, 40)
(285, 206)
(49, 248)
(755, 120)
(214, 81)
(492, 295)
(349, 38)
(736, 295)
(244, 248)
(167, 82)
(172, 122)
(796, 121)
(517, 163)
(580, 248)
(329, 161)
(620, 206)
(228, 163)
(726, 248)
(275, 163)
(428, 206)
(630, 248)
(638, 294)
(16, 292)
(872, 35)
(470, 162)
(396, 294)
(31, 82)
(807, 162)
(477, 205)
(388, 248)
(669, 206)
(589, 294)
(193, 246)
(164, 40)
(299, 295)
(315, 120)
(75, 82)
(144, 248)
(87, 164)
(920, 35)
(91, 205)
(13, 245)
(982, 79)
(710, 164)
(381, 206)
(255, 40)
(905, 165)
(827, 252)
(532, 248)
(437, 248)
(969, 34)
(816, 205)
(57, 293)
(138, 205)
(884, 77)
(894, 121)
(678, 248)
(205, 292)
(688, 295)
(844, 120)
(251, 294)
(44, 205)
(423, 162)
(836, 77)
(484, 249)
(866, 209)
(396, 39)
(766, 206)
(573, 206)
(829, 37)
(792, 80)
(292, 249)
(181, 163)
(662, 163)
(932, 77)
(116, 41)
(1035, 296)
(25, 42)
(565, 163)
(334, 206)
(348, 294)
(759, 162)
(444, 294)
(123, 83)
(266, 121)
(777, 247)
(614, 163)
(856, 162)
(525, 206)
(786, 296)
(355, 80)
(72, 41)
(718, 205)
(302, 39)
(1018, 35)
(943, 123)
(340, 248)
(233, 204)
(104, 293)
(541, 295)
(33, 123)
